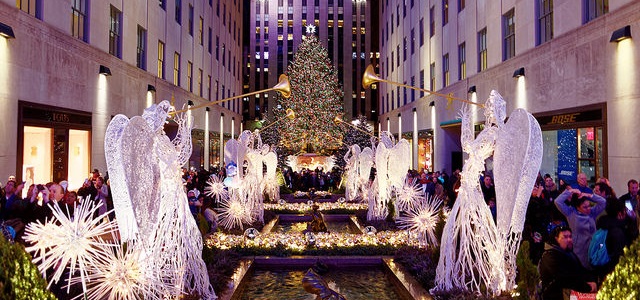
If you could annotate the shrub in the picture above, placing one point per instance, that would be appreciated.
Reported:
(19, 277)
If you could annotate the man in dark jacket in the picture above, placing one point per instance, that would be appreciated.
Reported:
(560, 268)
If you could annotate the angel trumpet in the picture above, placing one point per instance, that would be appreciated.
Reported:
(282, 87)
(290, 115)
(370, 77)
(339, 120)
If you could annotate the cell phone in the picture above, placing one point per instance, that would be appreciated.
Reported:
(628, 205)
(40, 187)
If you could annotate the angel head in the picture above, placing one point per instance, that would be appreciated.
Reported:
(495, 109)
(156, 114)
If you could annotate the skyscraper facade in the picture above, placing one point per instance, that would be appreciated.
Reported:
(69, 66)
(277, 27)
(572, 64)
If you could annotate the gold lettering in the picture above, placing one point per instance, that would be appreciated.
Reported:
(563, 119)
(58, 117)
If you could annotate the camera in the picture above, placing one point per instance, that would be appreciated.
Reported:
(40, 187)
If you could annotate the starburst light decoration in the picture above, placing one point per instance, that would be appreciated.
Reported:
(232, 213)
(421, 218)
(74, 242)
(409, 195)
(123, 274)
(215, 188)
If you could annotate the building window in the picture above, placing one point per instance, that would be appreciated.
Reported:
(163, 4)
(392, 59)
(413, 92)
(141, 49)
(29, 6)
(161, 60)
(462, 61)
(545, 21)
(217, 47)
(461, 5)
(179, 11)
(404, 49)
(398, 56)
(482, 50)
(209, 87)
(201, 31)
(413, 40)
(115, 40)
(79, 20)
(432, 71)
(509, 30)
(191, 20)
(421, 31)
(432, 22)
(176, 69)
(398, 18)
(445, 12)
(595, 8)
(200, 82)
(422, 83)
(190, 76)
(445, 70)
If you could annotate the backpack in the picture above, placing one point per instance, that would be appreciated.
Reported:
(598, 255)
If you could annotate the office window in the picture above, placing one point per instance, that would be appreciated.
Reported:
(432, 82)
(161, 60)
(191, 20)
(461, 5)
(595, 8)
(209, 87)
(445, 70)
(392, 64)
(432, 22)
(421, 31)
(404, 9)
(545, 21)
(392, 24)
(30, 7)
(404, 49)
(141, 49)
(115, 40)
(398, 56)
(445, 12)
(412, 2)
(218, 8)
(482, 49)
(163, 4)
(200, 82)
(422, 83)
(509, 33)
(462, 61)
(217, 47)
(176, 69)
(201, 31)
(398, 20)
(178, 16)
(79, 20)
(190, 76)
(413, 40)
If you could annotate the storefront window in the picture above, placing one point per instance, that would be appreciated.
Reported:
(78, 158)
(568, 152)
(37, 155)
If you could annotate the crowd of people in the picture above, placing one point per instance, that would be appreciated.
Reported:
(560, 222)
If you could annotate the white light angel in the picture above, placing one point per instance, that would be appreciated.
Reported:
(150, 198)
(475, 253)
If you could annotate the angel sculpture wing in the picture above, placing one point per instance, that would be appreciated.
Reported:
(399, 162)
(517, 158)
(142, 171)
(120, 192)
(365, 163)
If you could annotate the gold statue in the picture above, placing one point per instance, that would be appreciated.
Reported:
(317, 221)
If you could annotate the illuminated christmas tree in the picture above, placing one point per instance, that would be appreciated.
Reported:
(316, 98)
(624, 281)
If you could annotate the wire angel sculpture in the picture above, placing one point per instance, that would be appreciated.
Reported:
(477, 254)
(149, 198)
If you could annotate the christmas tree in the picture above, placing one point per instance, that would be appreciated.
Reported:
(316, 98)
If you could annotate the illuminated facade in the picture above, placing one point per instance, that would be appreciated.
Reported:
(581, 86)
(344, 27)
(73, 65)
